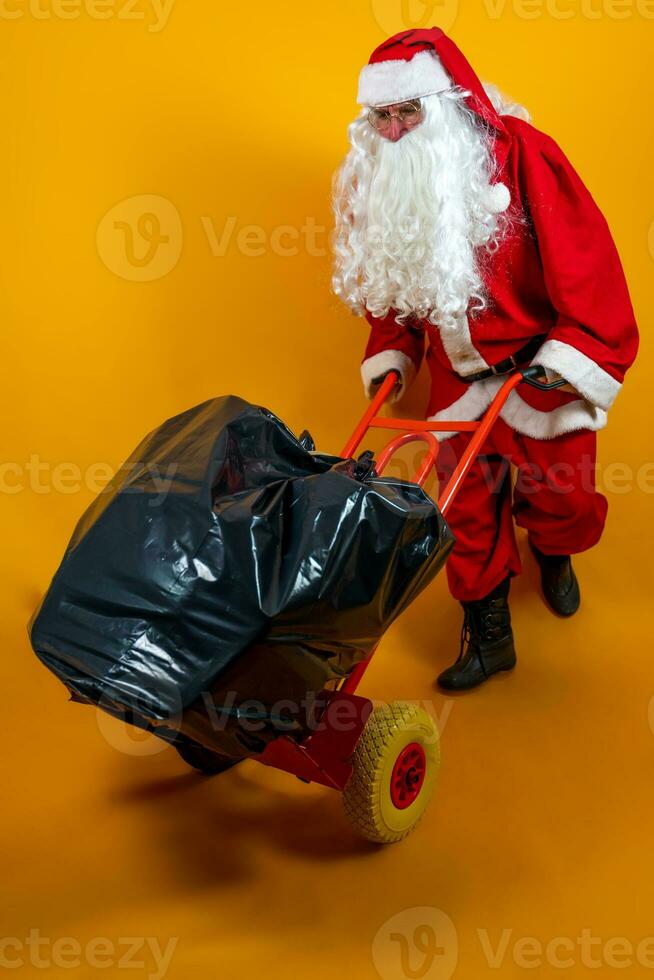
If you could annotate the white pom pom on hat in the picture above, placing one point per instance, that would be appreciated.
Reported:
(497, 198)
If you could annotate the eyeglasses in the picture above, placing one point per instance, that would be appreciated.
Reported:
(407, 112)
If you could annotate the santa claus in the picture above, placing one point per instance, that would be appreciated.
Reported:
(459, 222)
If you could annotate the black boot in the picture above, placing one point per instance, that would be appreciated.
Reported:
(559, 582)
(488, 641)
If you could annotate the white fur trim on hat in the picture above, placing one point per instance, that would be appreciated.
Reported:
(388, 82)
(384, 361)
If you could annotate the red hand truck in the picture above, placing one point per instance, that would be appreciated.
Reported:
(385, 759)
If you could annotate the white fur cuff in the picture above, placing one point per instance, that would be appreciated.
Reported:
(518, 415)
(384, 361)
(589, 379)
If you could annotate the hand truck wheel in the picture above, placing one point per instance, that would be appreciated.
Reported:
(396, 763)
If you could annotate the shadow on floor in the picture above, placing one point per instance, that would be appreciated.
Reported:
(215, 825)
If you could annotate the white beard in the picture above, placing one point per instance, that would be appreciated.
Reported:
(415, 219)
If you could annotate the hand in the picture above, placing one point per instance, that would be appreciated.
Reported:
(380, 377)
(555, 376)
(568, 387)
(396, 391)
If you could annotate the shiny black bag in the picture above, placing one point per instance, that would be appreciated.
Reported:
(230, 561)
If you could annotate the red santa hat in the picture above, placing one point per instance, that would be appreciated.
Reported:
(405, 66)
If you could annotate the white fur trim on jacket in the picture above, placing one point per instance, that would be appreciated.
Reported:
(461, 353)
(387, 82)
(379, 363)
(589, 379)
(571, 417)
(529, 421)
(473, 402)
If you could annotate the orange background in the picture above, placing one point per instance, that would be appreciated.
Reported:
(236, 116)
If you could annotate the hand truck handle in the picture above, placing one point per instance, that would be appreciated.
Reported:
(530, 375)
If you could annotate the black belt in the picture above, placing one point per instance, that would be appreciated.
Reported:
(509, 364)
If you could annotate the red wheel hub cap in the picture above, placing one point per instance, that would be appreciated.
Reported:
(408, 775)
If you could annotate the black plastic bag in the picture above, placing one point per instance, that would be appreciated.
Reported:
(230, 562)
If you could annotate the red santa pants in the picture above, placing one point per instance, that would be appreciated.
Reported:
(554, 499)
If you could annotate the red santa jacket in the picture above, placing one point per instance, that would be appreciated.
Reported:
(557, 272)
